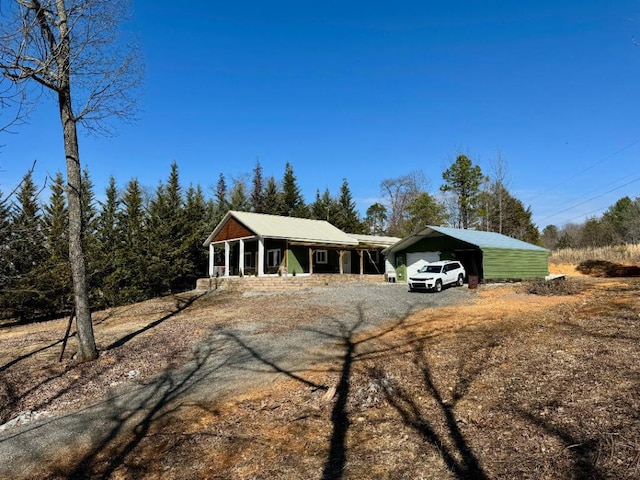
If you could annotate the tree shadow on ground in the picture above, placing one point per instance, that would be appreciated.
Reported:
(182, 305)
(31, 354)
(129, 425)
(347, 338)
(582, 451)
(450, 443)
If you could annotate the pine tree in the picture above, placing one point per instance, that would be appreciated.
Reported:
(376, 219)
(55, 271)
(108, 241)
(89, 228)
(198, 225)
(257, 190)
(166, 231)
(325, 207)
(239, 201)
(424, 210)
(347, 219)
(272, 198)
(463, 179)
(505, 214)
(622, 221)
(88, 204)
(292, 201)
(26, 254)
(5, 235)
(549, 237)
(130, 276)
(222, 200)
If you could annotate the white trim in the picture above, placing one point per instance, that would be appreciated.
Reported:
(278, 254)
(260, 256)
(212, 259)
(226, 259)
(321, 257)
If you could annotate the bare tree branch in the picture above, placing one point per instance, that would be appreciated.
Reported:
(72, 48)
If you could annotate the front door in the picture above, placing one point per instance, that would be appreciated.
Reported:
(346, 262)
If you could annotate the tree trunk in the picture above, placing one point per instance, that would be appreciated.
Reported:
(84, 324)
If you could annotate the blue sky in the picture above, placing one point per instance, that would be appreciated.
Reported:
(373, 90)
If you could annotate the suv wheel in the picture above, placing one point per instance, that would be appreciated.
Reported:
(460, 280)
(438, 287)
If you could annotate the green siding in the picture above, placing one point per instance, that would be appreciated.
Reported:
(438, 244)
(401, 273)
(298, 256)
(501, 263)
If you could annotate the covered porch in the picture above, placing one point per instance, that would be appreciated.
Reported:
(259, 256)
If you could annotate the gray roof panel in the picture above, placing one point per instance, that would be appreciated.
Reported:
(484, 239)
(478, 238)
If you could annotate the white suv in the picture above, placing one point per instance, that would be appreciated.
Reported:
(435, 275)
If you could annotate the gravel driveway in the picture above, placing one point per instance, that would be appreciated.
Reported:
(250, 352)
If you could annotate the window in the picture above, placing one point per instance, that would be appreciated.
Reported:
(248, 259)
(273, 258)
(322, 256)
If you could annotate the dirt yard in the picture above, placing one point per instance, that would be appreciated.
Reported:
(512, 386)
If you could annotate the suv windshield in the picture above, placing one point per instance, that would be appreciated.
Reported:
(431, 269)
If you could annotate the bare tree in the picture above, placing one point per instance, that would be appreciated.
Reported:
(399, 193)
(499, 170)
(64, 47)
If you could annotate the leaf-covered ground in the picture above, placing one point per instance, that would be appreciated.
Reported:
(512, 386)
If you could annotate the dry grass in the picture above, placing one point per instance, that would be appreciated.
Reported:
(628, 254)
(514, 386)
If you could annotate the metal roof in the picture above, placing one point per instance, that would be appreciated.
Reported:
(375, 240)
(477, 238)
(290, 228)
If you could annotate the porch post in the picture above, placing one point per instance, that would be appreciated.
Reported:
(341, 254)
(241, 260)
(286, 257)
(226, 259)
(310, 260)
(260, 256)
(212, 260)
(361, 252)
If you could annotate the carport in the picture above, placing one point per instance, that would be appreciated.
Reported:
(485, 255)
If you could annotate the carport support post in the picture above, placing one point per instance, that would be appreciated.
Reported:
(341, 254)
(361, 253)
(310, 260)
(226, 259)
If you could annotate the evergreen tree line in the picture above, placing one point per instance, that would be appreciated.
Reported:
(142, 244)
(138, 245)
(619, 224)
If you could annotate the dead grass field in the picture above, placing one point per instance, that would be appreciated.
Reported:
(513, 386)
